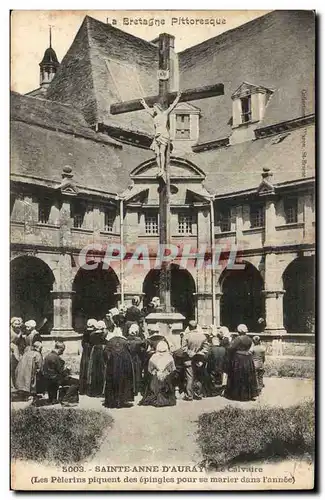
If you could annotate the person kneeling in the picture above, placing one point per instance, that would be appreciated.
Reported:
(161, 368)
(57, 376)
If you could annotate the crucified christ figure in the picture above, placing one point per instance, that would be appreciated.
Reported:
(162, 137)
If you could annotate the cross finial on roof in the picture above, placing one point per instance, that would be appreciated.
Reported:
(50, 35)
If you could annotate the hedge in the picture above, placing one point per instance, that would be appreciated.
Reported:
(241, 435)
(286, 367)
(57, 435)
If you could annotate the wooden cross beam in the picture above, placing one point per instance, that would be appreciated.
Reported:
(187, 95)
(162, 143)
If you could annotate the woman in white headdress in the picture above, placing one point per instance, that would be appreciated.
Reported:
(120, 383)
(242, 382)
(86, 349)
(32, 334)
(137, 347)
(28, 371)
(96, 366)
(161, 389)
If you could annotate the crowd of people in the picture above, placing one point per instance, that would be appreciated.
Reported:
(123, 357)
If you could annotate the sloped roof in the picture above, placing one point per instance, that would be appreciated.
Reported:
(46, 136)
(239, 167)
(275, 51)
(105, 65)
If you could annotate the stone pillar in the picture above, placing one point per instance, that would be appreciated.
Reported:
(62, 308)
(62, 328)
(204, 308)
(239, 224)
(65, 224)
(270, 222)
(273, 294)
(309, 230)
(218, 308)
(274, 311)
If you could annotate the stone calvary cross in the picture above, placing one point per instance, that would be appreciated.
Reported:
(159, 107)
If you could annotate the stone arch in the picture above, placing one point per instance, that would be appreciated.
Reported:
(182, 290)
(95, 292)
(31, 284)
(299, 298)
(242, 299)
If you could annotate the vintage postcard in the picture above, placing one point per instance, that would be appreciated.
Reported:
(162, 212)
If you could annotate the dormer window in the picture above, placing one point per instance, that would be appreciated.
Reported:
(249, 104)
(183, 129)
(184, 125)
(246, 109)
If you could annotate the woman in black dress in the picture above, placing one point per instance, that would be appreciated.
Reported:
(242, 382)
(86, 349)
(96, 366)
(137, 347)
(119, 375)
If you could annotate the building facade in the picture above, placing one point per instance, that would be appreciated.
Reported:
(83, 182)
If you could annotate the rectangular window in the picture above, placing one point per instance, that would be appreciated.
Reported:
(183, 130)
(44, 209)
(246, 111)
(257, 216)
(109, 220)
(185, 223)
(151, 223)
(291, 210)
(225, 220)
(78, 215)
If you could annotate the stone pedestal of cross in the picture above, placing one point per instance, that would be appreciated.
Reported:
(159, 107)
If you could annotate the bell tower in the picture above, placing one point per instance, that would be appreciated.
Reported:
(49, 64)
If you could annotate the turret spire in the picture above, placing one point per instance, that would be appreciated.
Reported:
(49, 64)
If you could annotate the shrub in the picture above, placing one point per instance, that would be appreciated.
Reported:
(234, 434)
(286, 367)
(57, 435)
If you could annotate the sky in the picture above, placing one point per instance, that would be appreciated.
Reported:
(30, 33)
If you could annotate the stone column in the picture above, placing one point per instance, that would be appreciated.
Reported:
(218, 308)
(204, 308)
(62, 309)
(309, 230)
(270, 222)
(274, 311)
(273, 294)
(62, 316)
(65, 223)
(239, 224)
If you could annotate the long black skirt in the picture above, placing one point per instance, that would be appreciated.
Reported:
(160, 392)
(96, 372)
(83, 373)
(242, 382)
(119, 386)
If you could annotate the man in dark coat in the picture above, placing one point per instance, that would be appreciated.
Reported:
(216, 365)
(242, 382)
(57, 375)
(195, 348)
(134, 314)
(120, 384)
